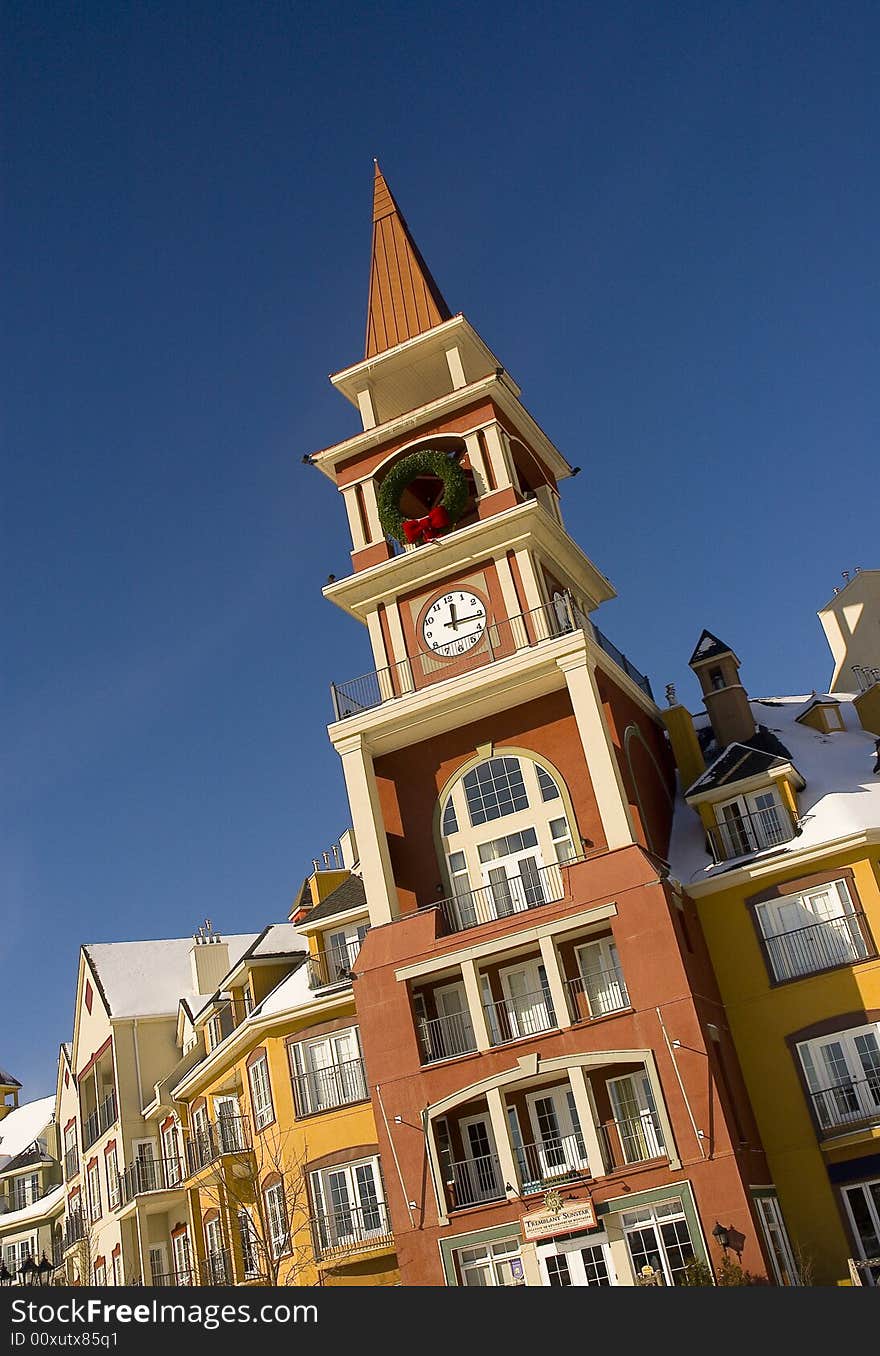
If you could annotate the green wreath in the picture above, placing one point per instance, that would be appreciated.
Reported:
(428, 461)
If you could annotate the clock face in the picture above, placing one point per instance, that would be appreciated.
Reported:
(454, 624)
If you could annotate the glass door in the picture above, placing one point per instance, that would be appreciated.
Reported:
(559, 1144)
(511, 868)
(601, 977)
(477, 1177)
(528, 1008)
(635, 1117)
(229, 1136)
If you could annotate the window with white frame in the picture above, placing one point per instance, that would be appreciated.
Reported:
(600, 987)
(100, 1273)
(658, 1237)
(25, 1190)
(494, 874)
(248, 1240)
(215, 1254)
(340, 947)
(182, 1258)
(752, 822)
(261, 1093)
(349, 1203)
(862, 1203)
(16, 1254)
(111, 1169)
(276, 1215)
(496, 1263)
(776, 1237)
(843, 1074)
(327, 1072)
(816, 930)
(171, 1155)
(93, 1184)
(117, 1268)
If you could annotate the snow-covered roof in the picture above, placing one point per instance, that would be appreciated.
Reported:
(148, 979)
(841, 796)
(280, 940)
(36, 1210)
(8, 1080)
(292, 992)
(22, 1126)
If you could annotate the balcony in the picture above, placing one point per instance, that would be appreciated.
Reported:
(149, 1174)
(599, 993)
(850, 1105)
(474, 1181)
(71, 1163)
(337, 1085)
(866, 676)
(174, 1278)
(748, 833)
(231, 1135)
(75, 1229)
(333, 966)
(551, 1161)
(500, 641)
(512, 1019)
(216, 1268)
(445, 1037)
(352, 1229)
(824, 945)
(631, 1139)
(99, 1120)
(516, 894)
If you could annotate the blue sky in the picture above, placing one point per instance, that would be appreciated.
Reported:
(661, 217)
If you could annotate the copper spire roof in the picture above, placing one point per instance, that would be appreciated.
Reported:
(404, 298)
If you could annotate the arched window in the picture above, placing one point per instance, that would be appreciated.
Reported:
(506, 825)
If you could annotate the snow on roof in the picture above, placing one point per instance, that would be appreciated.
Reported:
(148, 979)
(841, 796)
(280, 940)
(21, 1127)
(35, 1210)
(8, 1080)
(292, 992)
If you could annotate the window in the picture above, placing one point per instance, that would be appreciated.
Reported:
(558, 1271)
(635, 1118)
(93, 1183)
(560, 835)
(100, 1273)
(88, 996)
(600, 988)
(350, 1204)
(25, 1190)
(182, 1261)
(247, 999)
(248, 1241)
(171, 1155)
(450, 823)
(549, 789)
(498, 1263)
(215, 1255)
(776, 1238)
(111, 1170)
(657, 1236)
(494, 789)
(215, 1034)
(276, 1214)
(813, 931)
(863, 1208)
(16, 1254)
(117, 1268)
(340, 953)
(843, 1075)
(261, 1093)
(563, 1263)
(158, 1263)
(752, 823)
(327, 1072)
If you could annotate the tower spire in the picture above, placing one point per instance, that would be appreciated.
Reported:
(404, 299)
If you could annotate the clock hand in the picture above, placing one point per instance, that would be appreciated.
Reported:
(453, 620)
(473, 617)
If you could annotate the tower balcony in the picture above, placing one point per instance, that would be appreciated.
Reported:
(501, 641)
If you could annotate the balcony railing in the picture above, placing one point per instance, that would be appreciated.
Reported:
(866, 676)
(175, 1278)
(216, 1269)
(75, 1229)
(445, 1037)
(352, 1228)
(631, 1139)
(100, 1120)
(853, 1103)
(551, 1161)
(149, 1174)
(752, 832)
(824, 945)
(337, 1085)
(71, 1163)
(230, 1135)
(500, 640)
(333, 966)
(511, 1019)
(472, 1181)
(515, 894)
(596, 994)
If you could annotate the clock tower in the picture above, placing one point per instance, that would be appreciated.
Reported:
(511, 792)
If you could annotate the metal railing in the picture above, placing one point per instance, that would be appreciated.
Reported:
(500, 640)
(71, 1163)
(551, 1161)
(352, 1228)
(75, 1228)
(445, 1037)
(866, 675)
(99, 1120)
(336, 1085)
(472, 1181)
(174, 1278)
(230, 1135)
(751, 832)
(515, 894)
(333, 966)
(631, 1139)
(216, 1269)
(149, 1174)
(855, 1102)
(596, 994)
(825, 945)
(510, 1019)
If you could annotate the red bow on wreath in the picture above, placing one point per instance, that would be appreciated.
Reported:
(427, 528)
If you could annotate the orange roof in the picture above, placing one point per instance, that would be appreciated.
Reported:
(404, 298)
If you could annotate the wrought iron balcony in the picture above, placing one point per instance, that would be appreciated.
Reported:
(849, 1105)
(550, 1162)
(445, 1037)
(216, 1268)
(748, 833)
(514, 894)
(71, 1163)
(230, 1135)
(100, 1120)
(500, 641)
(337, 1085)
(176, 1278)
(149, 1174)
(333, 966)
(823, 945)
(866, 676)
(596, 994)
(352, 1229)
(511, 1019)
(75, 1229)
(473, 1181)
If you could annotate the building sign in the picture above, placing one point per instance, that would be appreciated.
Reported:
(558, 1217)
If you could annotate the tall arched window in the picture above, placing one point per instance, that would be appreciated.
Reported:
(505, 826)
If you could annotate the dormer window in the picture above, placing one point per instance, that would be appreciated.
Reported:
(751, 823)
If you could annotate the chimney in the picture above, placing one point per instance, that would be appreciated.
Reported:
(685, 745)
(724, 696)
(208, 958)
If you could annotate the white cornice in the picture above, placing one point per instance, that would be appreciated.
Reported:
(782, 865)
